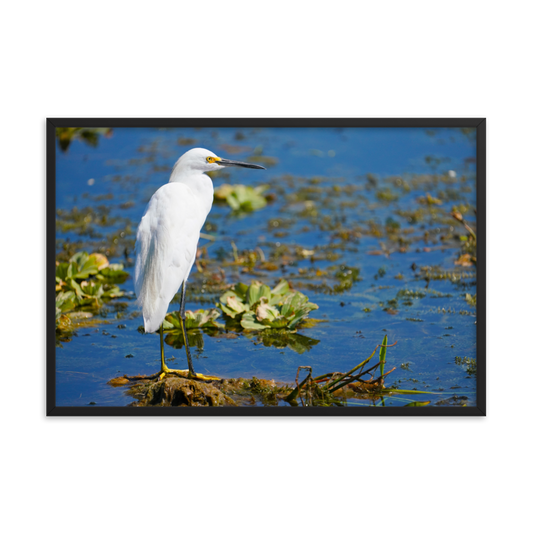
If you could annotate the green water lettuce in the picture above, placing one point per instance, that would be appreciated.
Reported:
(86, 280)
(258, 307)
(193, 320)
(242, 198)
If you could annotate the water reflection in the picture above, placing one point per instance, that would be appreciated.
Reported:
(282, 339)
(276, 338)
(194, 336)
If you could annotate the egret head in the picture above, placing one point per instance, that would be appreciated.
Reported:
(202, 160)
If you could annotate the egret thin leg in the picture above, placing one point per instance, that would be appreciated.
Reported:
(164, 367)
(182, 303)
(192, 373)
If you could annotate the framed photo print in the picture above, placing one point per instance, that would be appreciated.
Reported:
(286, 267)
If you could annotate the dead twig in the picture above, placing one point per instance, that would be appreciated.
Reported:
(460, 218)
(387, 345)
(353, 378)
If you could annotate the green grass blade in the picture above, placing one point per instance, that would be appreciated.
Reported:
(382, 356)
(417, 404)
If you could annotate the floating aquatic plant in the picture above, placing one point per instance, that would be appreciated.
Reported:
(193, 320)
(258, 307)
(471, 364)
(85, 280)
(346, 276)
(242, 198)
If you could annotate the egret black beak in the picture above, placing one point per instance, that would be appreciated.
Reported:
(230, 163)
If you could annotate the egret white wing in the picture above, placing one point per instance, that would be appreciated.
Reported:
(167, 239)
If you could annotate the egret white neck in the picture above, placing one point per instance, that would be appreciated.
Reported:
(199, 183)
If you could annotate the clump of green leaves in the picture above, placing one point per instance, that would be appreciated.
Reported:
(346, 276)
(193, 320)
(259, 307)
(242, 198)
(471, 364)
(85, 281)
(196, 323)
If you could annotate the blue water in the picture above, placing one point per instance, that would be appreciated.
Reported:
(123, 171)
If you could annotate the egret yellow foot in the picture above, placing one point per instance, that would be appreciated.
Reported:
(186, 374)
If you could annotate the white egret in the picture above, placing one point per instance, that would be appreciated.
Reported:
(167, 239)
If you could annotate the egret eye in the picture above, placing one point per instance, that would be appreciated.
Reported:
(209, 159)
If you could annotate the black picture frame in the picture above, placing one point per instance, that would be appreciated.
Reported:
(52, 123)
